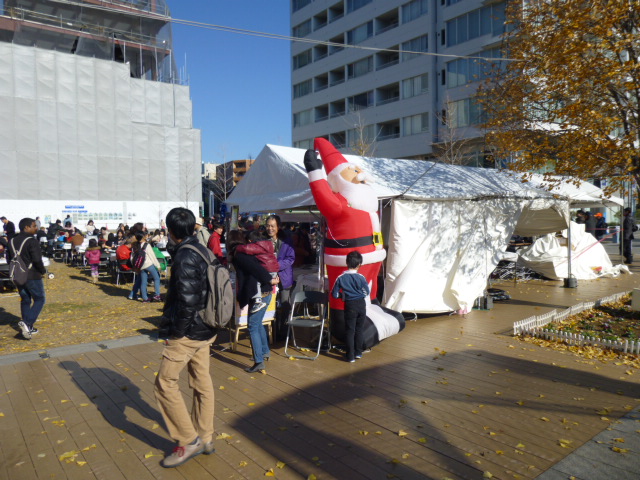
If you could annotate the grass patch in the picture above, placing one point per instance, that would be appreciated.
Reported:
(62, 307)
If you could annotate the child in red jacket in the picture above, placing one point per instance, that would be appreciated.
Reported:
(261, 248)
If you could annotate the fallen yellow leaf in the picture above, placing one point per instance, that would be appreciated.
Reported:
(311, 477)
(620, 450)
(544, 419)
(269, 473)
(81, 464)
(280, 464)
(422, 440)
(402, 433)
(69, 456)
(243, 464)
(487, 474)
(565, 443)
(364, 432)
(222, 436)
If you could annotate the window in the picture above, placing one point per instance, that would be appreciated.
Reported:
(415, 86)
(302, 59)
(356, 4)
(464, 113)
(361, 136)
(484, 21)
(303, 118)
(360, 101)
(413, 10)
(298, 4)
(359, 68)
(304, 144)
(360, 34)
(303, 29)
(416, 45)
(469, 70)
(415, 124)
(301, 89)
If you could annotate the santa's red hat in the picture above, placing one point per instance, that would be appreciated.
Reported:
(330, 156)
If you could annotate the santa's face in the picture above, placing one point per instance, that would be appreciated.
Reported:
(350, 182)
(353, 174)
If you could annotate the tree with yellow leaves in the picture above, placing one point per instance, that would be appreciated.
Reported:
(567, 101)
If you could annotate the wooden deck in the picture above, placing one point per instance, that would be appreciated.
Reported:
(450, 397)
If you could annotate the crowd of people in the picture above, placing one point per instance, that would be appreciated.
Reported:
(262, 254)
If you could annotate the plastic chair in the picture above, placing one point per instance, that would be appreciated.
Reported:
(308, 310)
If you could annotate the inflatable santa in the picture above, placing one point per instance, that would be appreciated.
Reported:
(350, 207)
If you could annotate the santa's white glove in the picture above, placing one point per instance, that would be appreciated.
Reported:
(311, 161)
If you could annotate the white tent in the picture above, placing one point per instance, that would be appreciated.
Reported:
(447, 227)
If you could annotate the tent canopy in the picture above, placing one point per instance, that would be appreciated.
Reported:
(447, 228)
(278, 181)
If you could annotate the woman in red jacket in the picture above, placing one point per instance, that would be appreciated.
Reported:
(215, 243)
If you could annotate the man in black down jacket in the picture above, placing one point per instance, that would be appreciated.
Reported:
(628, 227)
(33, 290)
(188, 342)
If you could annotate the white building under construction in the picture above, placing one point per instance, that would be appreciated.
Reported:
(94, 121)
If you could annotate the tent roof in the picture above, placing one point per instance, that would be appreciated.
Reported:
(581, 194)
(278, 180)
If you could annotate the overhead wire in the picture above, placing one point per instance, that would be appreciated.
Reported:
(277, 36)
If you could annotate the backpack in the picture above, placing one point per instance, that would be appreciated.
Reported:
(138, 258)
(18, 269)
(218, 308)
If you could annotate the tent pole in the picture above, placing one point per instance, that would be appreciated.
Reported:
(570, 281)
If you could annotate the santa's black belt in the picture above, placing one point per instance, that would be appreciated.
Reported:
(349, 242)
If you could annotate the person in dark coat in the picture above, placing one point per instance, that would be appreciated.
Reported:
(9, 228)
(589, 223)
(601, 226)
(32, 297)
(628, 227)
(249, 272)
(188, 342)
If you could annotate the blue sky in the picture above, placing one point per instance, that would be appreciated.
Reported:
(240, 85)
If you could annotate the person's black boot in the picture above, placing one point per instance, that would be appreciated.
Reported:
(257, 367)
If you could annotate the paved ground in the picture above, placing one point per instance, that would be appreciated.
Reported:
(450, 397)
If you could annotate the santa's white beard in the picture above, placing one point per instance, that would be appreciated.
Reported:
(359, 195)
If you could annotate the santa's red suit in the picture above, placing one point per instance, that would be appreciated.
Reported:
(348, 228)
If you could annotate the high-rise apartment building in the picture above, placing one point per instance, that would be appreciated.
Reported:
(94, 121)
(394, 74)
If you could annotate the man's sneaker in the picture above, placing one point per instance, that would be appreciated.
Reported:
(157, 298)
(26, 331)
(209, 448)
(258, 306)
(33, 331)
(181, 454)
(358, 357)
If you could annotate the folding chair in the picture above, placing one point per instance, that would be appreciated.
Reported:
(121, 271)
(308, 310)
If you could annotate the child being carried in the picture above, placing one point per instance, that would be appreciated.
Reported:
(262, 248)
